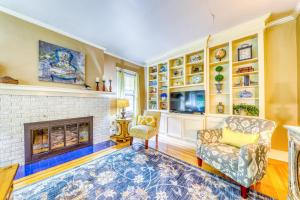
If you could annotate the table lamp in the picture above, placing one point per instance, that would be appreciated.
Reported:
(122, 103)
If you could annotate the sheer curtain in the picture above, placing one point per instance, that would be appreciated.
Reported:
(122, 88)
(137, 95)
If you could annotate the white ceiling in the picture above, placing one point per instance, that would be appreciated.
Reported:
(139, 30)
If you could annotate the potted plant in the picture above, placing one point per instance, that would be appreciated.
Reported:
(219, 77)
(245, 109)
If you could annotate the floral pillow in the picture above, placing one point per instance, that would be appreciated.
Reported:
(146, 120)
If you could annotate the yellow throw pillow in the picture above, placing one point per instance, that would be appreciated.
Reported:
(238, 139)
(146, 120)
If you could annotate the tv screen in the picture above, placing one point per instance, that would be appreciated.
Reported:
(188, 102)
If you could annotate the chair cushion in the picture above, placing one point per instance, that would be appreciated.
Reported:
(238, 139)
(221, 156)
(142, 131)
(146, 120)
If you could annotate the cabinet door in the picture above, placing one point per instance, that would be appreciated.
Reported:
(163, 124)
(174, 126)
(191, 127)
(214, 122)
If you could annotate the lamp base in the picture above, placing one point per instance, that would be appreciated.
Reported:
(123, 114)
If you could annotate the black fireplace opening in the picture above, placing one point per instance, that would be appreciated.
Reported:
(49, 138)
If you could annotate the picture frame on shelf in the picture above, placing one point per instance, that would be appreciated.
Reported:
(245, 52)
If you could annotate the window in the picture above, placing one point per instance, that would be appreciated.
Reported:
(126, 89)
(129, 92)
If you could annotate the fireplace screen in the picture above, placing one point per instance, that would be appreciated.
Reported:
(44, 139)
(40, 140)
(71, 135)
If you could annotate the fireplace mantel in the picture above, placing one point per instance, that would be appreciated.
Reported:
(11, 89)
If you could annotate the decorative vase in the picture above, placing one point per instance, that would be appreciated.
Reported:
(219, 87)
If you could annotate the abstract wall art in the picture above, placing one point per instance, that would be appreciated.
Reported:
(59, 64)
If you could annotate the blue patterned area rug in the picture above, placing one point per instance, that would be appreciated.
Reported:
(134, 173)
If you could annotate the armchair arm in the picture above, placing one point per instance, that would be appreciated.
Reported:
(208, 136)
(253, 160)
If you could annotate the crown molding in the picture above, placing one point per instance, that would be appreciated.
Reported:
(125, 59)
(57, 30)
(281, 21)
(47, 26)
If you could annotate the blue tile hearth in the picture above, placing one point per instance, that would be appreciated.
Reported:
(29, 169)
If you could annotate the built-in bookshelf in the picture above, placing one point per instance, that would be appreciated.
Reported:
(176, 72)
(245, 76)
(152, 88)
(163, 86)
(231, 72)
(194, 68)
(219, 79)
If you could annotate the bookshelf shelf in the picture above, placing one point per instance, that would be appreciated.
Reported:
(253, 60)
(196, 70)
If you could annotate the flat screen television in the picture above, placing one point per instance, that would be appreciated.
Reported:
(188, 102)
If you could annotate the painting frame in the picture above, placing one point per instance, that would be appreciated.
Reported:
(60, 65)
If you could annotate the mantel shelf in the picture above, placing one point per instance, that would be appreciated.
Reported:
(28, 90)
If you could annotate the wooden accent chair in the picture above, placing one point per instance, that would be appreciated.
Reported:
(145, 132)
(245, 165)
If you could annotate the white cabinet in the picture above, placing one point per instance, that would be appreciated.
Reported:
(174, 126)
(163, 124)
(181, 127)
(215, 121)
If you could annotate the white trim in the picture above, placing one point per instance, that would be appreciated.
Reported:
(297, 9)
(279, 155)
(47, 26)
(281, 21)
(10, 89)
(176, 142)
(57, 30)
(125, 59)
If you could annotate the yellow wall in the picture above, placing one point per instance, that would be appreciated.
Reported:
(298, 62)
(281, 80)
(111, 62)
(19, 52)
(19, 55)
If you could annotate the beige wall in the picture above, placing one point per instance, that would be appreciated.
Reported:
(19, 55)
(298, 62)
(110, 64)
(19, 52)
(281, 80)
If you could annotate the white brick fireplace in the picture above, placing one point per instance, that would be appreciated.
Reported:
(24, 104)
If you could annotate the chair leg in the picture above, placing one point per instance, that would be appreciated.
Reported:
(156, 140)
(244, 192)
(131, 140)
(146, 144)
(199, 162)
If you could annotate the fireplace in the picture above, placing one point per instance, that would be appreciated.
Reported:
(294, 162)
(49, 138)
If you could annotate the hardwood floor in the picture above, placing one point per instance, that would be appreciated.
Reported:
(274, 184)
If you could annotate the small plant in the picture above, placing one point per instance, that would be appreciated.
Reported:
(219, 77)
(251, 110)
(219, 69)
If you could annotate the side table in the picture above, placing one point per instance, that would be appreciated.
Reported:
(122, 134)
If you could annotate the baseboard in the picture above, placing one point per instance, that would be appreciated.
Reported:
(176, 141)
(279, 155)
(274, 154)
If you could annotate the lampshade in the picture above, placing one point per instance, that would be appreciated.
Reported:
(122, 103)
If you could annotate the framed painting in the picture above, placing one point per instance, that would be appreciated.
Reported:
(59, 64)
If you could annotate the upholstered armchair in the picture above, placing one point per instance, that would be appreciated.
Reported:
(247, 164)
(144, 131)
